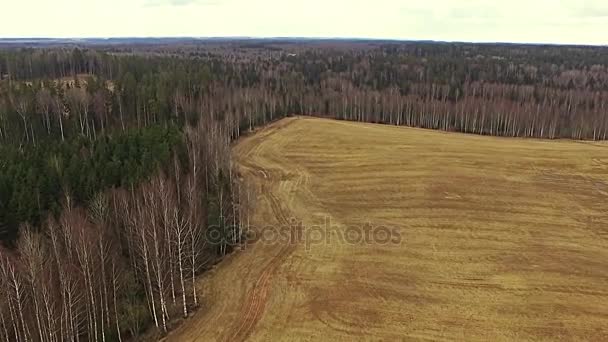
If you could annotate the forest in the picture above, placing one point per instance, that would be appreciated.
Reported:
(40, 174)
(116, 168)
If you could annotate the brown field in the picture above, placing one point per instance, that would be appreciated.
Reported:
(499, 239)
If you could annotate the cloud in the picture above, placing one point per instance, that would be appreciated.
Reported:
(585, 10)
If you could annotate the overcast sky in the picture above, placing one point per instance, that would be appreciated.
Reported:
(548, 21)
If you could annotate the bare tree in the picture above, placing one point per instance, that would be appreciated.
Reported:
(21, 103)
(32, 256)
(58, 108)
(44, 99)
(79, 101)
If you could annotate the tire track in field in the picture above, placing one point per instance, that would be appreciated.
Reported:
(255, 303)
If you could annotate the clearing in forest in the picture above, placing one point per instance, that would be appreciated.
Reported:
(385, 233)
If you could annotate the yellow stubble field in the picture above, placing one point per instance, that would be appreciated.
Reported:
(409, 234)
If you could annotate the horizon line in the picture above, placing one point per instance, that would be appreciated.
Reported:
(344, 38)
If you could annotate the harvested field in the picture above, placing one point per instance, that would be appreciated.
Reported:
(490, 239)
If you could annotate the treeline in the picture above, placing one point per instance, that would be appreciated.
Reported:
(130, 258)
(507, 90)
(127, 190)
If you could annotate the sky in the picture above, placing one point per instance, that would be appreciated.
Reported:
(522, 21)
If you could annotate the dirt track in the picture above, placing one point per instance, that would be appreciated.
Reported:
(492, 239)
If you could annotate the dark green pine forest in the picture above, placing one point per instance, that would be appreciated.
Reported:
(34, 179)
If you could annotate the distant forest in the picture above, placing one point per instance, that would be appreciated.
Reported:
(508, 90)
(115, 162)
